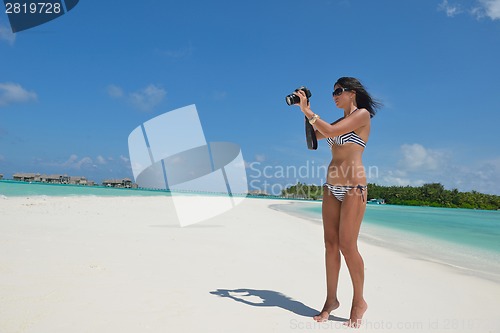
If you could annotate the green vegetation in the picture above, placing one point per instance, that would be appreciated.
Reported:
(434, 195)
(303, 191)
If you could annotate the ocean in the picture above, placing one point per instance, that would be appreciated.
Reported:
(9, 188)
(462, 239)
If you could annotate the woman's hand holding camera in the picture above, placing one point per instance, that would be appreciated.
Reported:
(304, 103)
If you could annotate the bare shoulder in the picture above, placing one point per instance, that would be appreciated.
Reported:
(364, 115)
(364, 112)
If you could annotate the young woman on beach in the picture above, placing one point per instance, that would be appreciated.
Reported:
(345, 191)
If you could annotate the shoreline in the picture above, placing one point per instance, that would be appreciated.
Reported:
(416, 246)
(123, 264)
(154, 192)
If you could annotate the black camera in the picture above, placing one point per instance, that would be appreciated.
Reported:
(294, 99)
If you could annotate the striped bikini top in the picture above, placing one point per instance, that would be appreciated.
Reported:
(346, 138)
(350, 137)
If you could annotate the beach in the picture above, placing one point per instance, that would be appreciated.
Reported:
(124, 264)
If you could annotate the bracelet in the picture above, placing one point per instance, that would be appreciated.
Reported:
(313, 119)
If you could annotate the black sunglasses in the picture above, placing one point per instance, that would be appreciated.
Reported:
(339, 91)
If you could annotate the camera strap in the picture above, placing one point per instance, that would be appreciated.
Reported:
(312, 141)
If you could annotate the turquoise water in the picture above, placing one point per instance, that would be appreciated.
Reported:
(10, 188)
(462, 238)
(16, 189)
(477, 228)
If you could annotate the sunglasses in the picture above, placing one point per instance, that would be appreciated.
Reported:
(339, 91)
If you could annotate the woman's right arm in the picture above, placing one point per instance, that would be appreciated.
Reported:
(319, 135)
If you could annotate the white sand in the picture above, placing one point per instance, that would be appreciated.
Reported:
(94, 264)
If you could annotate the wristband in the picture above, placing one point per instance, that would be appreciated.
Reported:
(313, 119)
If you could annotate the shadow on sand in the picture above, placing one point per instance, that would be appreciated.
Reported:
(270, 298)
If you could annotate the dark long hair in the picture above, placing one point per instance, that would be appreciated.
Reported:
(363, 98)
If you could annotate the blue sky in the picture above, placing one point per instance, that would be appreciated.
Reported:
(73, 89)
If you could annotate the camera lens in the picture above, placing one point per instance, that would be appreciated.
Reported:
(292, 99)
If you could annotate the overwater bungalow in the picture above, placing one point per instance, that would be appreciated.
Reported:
(52, 179)
(26, 177)
(125, 183)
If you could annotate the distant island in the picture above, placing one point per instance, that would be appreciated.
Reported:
(70, 180)
(434, 195)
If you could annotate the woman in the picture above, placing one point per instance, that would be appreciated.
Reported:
(345, 192)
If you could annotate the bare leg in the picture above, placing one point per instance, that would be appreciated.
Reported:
(331, 219)
(351, 215)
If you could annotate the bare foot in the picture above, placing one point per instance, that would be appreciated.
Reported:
(357, 312)
(327, 308)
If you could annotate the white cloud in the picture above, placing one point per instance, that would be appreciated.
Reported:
(417, 157)
(482, 176)
(419, 165)
(14, 93)
(90, 167)
(7, 35)
(74, 162)
(488, 8)
(390, 180)
(124, 159)
(491, 8)
(115, 91)
(101, 160)
(397, 177)
(145, 99)
(449, 9)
